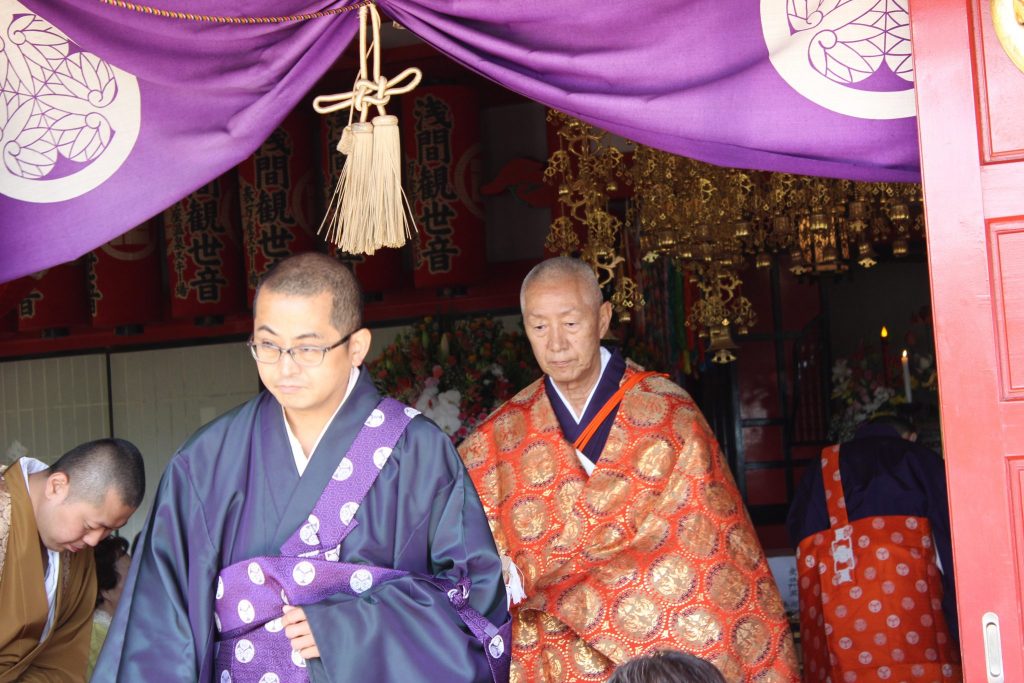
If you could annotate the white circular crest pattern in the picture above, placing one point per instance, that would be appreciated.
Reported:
(361, 580)
(380, 456)
(244, 651)
(61, 104)
(274, 625)
(246, 612)
(496, 647)
(297, 660)
(220, 588)
(270, 677)
(822, 48)
(308, 532)
(411, 412)
(347, 512)
(375, 419)
(225, 676)
(255, 572)
(304, 573)
(343, 471)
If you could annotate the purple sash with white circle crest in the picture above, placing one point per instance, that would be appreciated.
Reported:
(251, 594)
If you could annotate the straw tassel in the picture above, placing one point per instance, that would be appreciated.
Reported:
(391, 206)
(368, 209)
(355, 195)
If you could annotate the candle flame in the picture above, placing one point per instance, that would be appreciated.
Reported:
(904, 353)
(885, 332)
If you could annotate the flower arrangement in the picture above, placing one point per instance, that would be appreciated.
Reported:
(867, 384)
(455, 372)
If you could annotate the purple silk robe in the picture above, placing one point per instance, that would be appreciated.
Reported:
(232, 492)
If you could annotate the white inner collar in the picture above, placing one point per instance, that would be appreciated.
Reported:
(300, 457)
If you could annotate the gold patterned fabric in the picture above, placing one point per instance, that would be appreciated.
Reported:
(655, 550)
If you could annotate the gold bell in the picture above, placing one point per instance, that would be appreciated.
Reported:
(722, 345)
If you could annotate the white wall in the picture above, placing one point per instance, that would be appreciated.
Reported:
(161, 397)
(51, 405)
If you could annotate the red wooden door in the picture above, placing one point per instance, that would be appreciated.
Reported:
(970, 100)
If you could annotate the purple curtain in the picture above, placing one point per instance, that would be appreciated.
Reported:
(820, 88)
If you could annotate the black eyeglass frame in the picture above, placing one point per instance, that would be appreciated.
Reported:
(291, 351)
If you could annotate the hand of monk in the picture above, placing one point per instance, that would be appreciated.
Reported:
(297, 629)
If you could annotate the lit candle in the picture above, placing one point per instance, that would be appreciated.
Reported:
(906, 376)
(885, 356)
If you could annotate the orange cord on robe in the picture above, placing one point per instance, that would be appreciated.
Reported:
(655, 550)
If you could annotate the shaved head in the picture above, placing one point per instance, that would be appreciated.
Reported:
(559, 269)
(96, 467)
(312, 273)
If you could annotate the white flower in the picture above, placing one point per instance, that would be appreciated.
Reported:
(442, 408)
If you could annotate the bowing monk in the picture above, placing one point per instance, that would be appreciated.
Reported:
(617, 518)
(51, 516)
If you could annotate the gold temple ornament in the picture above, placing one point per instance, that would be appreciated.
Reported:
(714, 222)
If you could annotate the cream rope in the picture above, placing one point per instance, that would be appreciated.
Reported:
(368, 209)
(369, 92)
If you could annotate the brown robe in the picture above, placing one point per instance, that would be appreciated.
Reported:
(64, 655)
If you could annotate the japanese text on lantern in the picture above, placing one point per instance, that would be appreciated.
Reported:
(265, 202)
(95, 294)
(432, 183)
(198, 240)
(27, 307)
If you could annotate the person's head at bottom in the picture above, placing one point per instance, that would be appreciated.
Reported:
(667, 666)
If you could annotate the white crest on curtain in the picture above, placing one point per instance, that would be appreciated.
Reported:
(825, 49)
(68, 119)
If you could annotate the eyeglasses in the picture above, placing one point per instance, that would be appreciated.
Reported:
(306, 355)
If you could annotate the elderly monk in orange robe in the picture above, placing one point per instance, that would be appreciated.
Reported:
(619, 523)
(50, 517)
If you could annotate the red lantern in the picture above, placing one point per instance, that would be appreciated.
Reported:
(382, 270)
(278, 196)
(441, 136)
(58, 300)
(204, 252)
(11, 294)
(124, 279)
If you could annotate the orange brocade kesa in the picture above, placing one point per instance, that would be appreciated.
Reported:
(654, 551)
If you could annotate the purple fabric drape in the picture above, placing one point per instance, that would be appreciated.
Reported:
(820, 88)
(694, 77)
(207, 95)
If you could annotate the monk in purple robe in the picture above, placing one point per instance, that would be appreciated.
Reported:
(229, 581)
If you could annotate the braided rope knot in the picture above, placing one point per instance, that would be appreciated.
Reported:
(371, 89)
(367, 93)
